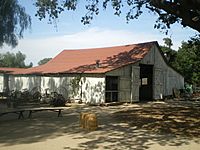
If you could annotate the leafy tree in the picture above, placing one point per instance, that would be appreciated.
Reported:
(188, 62)
(13, 22)
(44, 61)
(185, 12)
(168, 42)
(169, 53)
(14, 60)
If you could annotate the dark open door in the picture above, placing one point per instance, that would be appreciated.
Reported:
(111, 89)
(146, 86)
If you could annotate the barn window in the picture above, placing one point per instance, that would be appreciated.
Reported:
(111, 88)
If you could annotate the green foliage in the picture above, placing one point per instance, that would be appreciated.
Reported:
(168, 12)
(186, 59)
(168, 42)
(169, 53)
(188, 62)
(44, 61)
(13, 60)
(13, 22)
(75, 83)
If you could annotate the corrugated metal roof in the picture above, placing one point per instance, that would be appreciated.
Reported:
(10, 70)
(85, 60)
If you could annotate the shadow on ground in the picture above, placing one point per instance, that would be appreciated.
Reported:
(135, 126)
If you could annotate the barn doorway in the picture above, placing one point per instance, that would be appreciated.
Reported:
(146, 79)
(111, 93)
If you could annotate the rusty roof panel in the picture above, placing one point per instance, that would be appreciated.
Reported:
(84, 60)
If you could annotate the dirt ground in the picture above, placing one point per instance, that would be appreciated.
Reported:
(168, 125)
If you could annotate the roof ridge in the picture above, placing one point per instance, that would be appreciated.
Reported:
(107, 47)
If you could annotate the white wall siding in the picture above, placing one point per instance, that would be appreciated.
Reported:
(124, 74)
(135, 83)
(174, 81)
(164, 77)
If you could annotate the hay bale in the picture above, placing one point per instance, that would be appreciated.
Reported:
(88, 121)
(82, 119)
(91, 122)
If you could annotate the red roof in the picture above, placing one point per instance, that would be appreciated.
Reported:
(84, 60)
(10, 70)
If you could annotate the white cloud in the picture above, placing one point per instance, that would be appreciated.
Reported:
(37, 49)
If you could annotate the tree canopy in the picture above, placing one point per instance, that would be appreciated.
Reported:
(185, 12)
(44, 61)
(168, 42)
(14, 60)
(169, 53)
(187, 60)
(14, 19)
(13, 22)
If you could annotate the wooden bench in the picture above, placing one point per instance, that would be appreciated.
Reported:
(54, 109)
(16, 111)
(33, 110)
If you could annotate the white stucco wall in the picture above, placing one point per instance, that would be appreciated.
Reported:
(56, 84)
(1, 83)
(92, 87)
(23, 82)
(42, 83)
(89, 89)
(93, 90)
(51, 83)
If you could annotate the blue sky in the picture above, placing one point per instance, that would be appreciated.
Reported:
(44, 40)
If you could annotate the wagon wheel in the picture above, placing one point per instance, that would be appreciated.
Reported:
(36, 93)
(36, 89)
(63, 90)
(25, 95)
(36, 96)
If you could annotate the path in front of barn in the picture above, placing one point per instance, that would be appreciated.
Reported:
(153, 125)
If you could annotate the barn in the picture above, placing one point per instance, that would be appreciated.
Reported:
(128, 73)
(4, 77)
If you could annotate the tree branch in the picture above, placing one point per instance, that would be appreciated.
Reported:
(185, 13)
